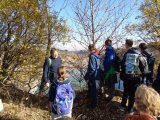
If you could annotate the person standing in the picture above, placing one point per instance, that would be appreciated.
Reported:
(64, 96)
(132, 69)
(150, 60)
(156, 83)
(109, 68)
(50, 74)
(92, 75)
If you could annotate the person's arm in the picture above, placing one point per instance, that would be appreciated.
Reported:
(122, 73)
(92, 66)
(142, 65)
(46, 70)
(123, 63)
(109, 59)
(86, 76)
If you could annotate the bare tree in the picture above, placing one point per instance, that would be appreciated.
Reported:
(96, 20)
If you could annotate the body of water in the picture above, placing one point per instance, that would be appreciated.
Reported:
(77, 82)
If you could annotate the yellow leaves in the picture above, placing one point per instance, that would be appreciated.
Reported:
(150, 7)
(1, 70)
(27, 8)
(156, 1)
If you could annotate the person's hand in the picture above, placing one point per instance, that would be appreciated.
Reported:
(47, 84)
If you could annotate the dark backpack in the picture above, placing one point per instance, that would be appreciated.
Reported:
(150, 60)
(64, 99)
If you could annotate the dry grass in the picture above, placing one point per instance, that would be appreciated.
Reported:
(20, 112)
(19, 105)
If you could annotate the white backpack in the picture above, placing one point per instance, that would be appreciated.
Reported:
(132, 64)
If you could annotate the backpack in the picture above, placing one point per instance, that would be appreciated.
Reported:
(132, 64)
(63, 99)
(145, 64)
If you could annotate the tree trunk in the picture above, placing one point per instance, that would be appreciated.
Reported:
(92, 21)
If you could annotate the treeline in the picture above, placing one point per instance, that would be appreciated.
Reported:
(27, 31)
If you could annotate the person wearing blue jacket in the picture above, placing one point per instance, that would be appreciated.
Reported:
(92, 75)
(109, 68)
(50, 74)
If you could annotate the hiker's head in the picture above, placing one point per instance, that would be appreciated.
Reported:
(147, 100)
(91, 48)
(142, 46)
(129, 43)
(108, 42)
(54, 53)
(62, 73)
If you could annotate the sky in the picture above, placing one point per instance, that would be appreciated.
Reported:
(67, 13)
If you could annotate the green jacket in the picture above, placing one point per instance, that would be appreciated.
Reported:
(111, 71)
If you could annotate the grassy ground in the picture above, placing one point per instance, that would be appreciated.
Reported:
(19, 105)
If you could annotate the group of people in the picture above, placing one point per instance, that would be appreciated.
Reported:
(135, 68)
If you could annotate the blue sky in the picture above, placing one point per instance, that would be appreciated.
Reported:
(67, 13)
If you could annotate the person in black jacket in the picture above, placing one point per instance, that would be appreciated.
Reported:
(156, 83)
(50, 74)
(150, 61)
(131, 78)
